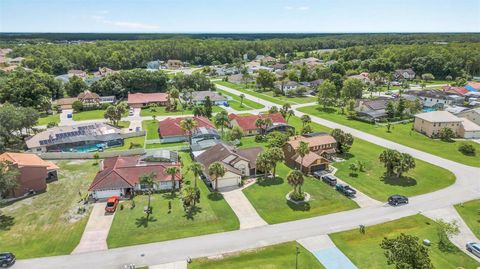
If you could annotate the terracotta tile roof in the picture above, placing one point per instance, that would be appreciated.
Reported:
(27, 159)
(312, 141)
(247, 122)
(145, 98)
(457, 90)
(66, 101)
(125, 172)
(171, 126)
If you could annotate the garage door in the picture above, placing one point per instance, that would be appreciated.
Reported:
(228, 182)
(317, 168)
(107, 193)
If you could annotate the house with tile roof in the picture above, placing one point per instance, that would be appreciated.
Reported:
(247, 123)
(34, 173)
(170, 131)
(120, 176)
(201, 96)
(238, 163)
(322, 146)
(139, 100)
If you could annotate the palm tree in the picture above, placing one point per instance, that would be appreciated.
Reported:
(188, 125)
(174, 94)
(289, 114)
(303, 150)
(295, 179)
(196, 168)
(305, 120)
(148, 179)
(263, 163)
(172, 171)
(275, 155)
(259, 124)
(241, 99)
(190, 196)
(267, 122)
(221, 120)
(216, 170)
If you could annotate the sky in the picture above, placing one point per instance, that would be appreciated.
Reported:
(239, 16)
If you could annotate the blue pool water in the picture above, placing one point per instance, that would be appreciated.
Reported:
(86, 148)
(428, 109)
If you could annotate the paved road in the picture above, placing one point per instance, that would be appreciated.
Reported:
(467, 187)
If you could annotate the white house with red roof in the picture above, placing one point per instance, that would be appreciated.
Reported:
(170, 131)
(247, 122)
(120, 176)
(139, 100)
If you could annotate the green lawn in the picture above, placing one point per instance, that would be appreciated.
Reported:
(235, 103)
(47, 119)
(166, 145)
(39, 225)
(364, 250)
(161, 111)
(470, 212)
(268, 198)
(123, 124)
(89, 115)
(424, 178)
(151, 127)
(126, 143)
(280, 100)
(213, 215)
(272, 257)
(403, 134)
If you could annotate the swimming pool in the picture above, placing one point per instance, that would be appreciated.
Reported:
(86, 148)
(428, 109)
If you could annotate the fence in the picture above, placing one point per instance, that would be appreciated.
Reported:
(89, 155)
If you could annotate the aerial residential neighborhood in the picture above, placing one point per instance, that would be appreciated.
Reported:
(267, 134)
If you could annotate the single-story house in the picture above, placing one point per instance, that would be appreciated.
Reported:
(322, 147)
(174, 64)
(401, 74)
(215, 97)
(34, 172)
(438, 99)
(455, 90)
(88, 99)
(238, 163)
(139, 100)
(238, 79)
(247, 122)
(76, 138)
(362, 77)
(170, 131)
(372, 109)
(287, 86)
(120, 176)
(77, 73)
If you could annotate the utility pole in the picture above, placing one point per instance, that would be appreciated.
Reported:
(296, 257)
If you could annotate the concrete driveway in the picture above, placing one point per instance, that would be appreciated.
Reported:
(244, 210)
(94, 236)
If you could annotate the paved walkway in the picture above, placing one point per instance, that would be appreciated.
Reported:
(64, 120)
(450, 214)
(246, 213)
(94, 236)
(323, 248)
(172, 265)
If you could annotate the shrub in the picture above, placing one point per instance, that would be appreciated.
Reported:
(446, 134)
(297, 196)
(51, 124)
(135, 145)
(467, 149)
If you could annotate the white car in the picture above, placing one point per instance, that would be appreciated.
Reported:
(474, 248)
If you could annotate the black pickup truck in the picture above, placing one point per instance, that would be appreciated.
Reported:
(346, 190)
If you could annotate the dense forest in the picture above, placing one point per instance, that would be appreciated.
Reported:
(374, 51)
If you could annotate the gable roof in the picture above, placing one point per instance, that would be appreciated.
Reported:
(171, 126)
(202, 95)
(313, 141)
(125, 172)
(145, 98)
(438, 116)
(247, 122)
(88, 95)
(27, 159)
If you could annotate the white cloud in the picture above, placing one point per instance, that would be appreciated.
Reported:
(300, 8)
(125, 24)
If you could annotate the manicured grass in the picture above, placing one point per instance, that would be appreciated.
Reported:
(89, 115)
(272, 257)
(235, 103)
(123, 124)
(213, 215)
(364, 250)
(126, 143)
(151, 127)
(161, 111)
(280, 100)
(47, 119)
(40, 225)
(403, 134)
(268, 198)
(424, 178)
(166, 145)
(470, 212)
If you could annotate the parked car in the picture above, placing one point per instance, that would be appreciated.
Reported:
(397, 199)
(130, 113)
(474, 248)
(319, 174)
(7, 259)
(345, 190)
(112, 203)
(330, 180)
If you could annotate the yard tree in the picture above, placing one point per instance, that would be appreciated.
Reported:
(467, 149)
(389, 158)
(275, 155)
(405, 252)
(276, 139)
(8, 178)
(265, 79)
(216, 170)
(190, 196)
(428, 77)
(285, 108)
(148, 179)
(114, 113)
(236, 133)
(207, 107)
(263, 163)
(15, 121)
(445, 230)
(303, 149)
(326, 93)
(352, 88)
(295, 179)
(273, 109)
(75, 86)
(77, 106)
(390, 109)
(172, 171)
(446, 134)
(401, 107)
(198, 111)
(173, 95)
(344, 140)
(305, 120)
(221, 120)
(241, 99)
(197, 169)
(188, 125)
(406, 163)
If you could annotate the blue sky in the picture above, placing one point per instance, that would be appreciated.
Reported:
(177, 16)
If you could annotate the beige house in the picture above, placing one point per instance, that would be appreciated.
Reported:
(471, 114)
(469, 129)
(174, 64)
(430, 123)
